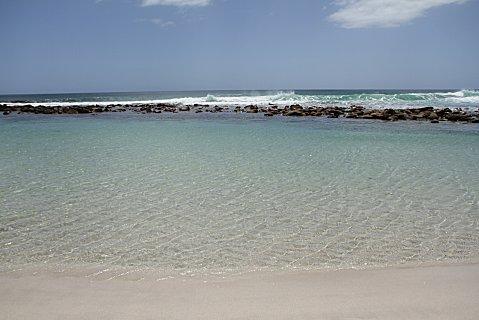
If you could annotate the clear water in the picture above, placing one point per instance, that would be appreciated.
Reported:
(453, 98)
(223, 193)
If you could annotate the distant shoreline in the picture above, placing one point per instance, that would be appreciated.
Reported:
(430, 114)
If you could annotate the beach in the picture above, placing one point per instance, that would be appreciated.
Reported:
(427, 292)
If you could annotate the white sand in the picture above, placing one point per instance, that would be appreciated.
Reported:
(439, 292)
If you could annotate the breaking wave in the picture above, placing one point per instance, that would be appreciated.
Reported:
(377, 99)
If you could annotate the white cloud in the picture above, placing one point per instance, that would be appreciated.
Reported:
(383, 13)
(177, 3)
(159, 22)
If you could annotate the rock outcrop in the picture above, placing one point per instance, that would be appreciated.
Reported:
(434, 115)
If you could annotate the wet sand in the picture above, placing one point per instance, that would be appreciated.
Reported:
(431, 292)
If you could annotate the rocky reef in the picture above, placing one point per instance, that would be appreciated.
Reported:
(431, 114)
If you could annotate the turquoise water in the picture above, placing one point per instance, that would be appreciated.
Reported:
(227, 193)
(453, 98)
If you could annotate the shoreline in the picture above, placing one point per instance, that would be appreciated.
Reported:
(429, 114)
(422, 292)
(99, 272)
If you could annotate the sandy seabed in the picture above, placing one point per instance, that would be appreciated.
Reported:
(427, 292)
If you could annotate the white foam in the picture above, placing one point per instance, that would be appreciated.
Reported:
(462, 98)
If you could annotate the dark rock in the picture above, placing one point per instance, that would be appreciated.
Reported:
(251, 109)
(433, 116)
(389, 112)
(333, 113)
(426, 109)
(378, 114)
(356, 107)
(295, 107)
(83, 110)
(352, 112)
(423, 115)
(442, 112)
(68, 110)
(393, 118)
(457, 117)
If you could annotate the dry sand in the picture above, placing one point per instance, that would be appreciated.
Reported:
(433, 292)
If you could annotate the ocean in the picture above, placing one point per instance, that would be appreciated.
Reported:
(187, 194)
(453, 98)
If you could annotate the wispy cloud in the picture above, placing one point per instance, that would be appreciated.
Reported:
(158, 21)
(177, 3)
(383, 13)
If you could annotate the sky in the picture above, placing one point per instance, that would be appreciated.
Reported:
(53, 46)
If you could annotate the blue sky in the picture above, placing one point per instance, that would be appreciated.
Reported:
(141, 45)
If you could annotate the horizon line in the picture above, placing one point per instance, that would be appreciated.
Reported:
(251, 90)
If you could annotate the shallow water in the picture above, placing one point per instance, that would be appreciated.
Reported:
(232, 193)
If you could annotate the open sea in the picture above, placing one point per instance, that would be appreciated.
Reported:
(225, 193)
